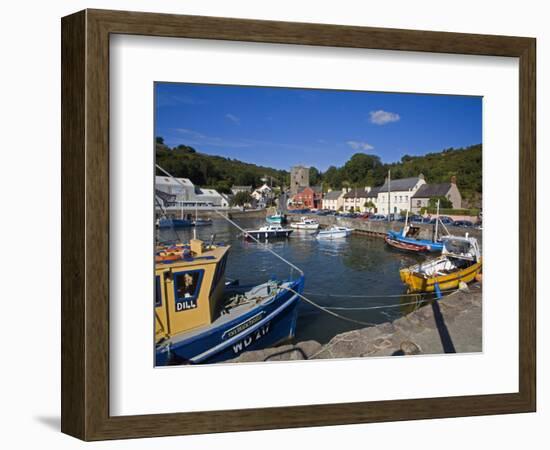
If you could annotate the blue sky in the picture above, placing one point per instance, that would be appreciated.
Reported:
(280, 127)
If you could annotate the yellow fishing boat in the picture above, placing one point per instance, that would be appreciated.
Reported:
(460, 262)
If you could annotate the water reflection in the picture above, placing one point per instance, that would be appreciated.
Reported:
(356, 272)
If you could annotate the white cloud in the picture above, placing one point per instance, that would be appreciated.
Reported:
(233, 118)
(360, 145)
(383, 117)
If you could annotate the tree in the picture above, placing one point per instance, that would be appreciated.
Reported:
(370, 205)
(359, 166)
(314, 176)
(444, 202)
(159, 140)
(241, 199)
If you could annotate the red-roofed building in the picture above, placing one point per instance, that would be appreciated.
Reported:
(308, 197)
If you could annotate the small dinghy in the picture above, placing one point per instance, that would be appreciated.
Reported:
(305, 223)
(202, 222)
(335, 232)
(460, 261)
(268, 232)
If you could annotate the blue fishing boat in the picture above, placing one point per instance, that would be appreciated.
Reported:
(405, 239)
(174, 223)
(199, 318)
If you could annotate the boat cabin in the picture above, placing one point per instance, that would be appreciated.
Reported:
(411, 231)
(189, 285)
(461, 248)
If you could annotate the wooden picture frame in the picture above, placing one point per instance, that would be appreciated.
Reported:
(85, 224)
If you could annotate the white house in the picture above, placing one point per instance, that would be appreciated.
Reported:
(400, 194)
(185, 194)
(355, 199)
(262, 192)
(183, 188)
(211, 197)
(333, 200)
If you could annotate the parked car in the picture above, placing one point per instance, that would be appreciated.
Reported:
(463, 223)
(378, 218)
(364, 216)
(445, 220)
(415, 218)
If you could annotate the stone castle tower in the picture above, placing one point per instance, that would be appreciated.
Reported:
(299, 178)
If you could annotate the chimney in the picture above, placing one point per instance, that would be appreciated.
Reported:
(453, 179)
(421, 176)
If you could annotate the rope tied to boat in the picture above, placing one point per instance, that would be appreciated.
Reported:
(326, 310)
(246, 233)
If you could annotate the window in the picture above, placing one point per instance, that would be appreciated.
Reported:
(158, 294)
(220, 271)
(187, 288)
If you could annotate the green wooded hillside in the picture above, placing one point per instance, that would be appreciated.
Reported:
(360, 170)
(368, 170)
(211, 171)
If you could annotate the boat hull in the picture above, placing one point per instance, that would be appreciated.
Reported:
(305, 227)
(327, 235)
(263, 326)
(418, 283)
(268, 234)
(174, 223)
(405, 246)
(278, 220)
(434, 247)
(202, 222)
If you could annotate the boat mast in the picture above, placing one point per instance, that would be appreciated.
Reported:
(196, 217)
(405, 229)
(436, 221)
(389, 193)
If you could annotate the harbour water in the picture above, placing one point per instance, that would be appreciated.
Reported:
(355, 272)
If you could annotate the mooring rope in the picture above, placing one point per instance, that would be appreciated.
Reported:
(330, 309)
(300, 271)
(322, 308)
(366, 308)
(367, 296)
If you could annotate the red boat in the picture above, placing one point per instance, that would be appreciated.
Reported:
(417, 248)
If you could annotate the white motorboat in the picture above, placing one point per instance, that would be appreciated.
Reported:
(269, 232)
(335, 232)
(305, 223)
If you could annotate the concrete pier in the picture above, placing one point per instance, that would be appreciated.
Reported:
(450, 325)
(380, 229)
